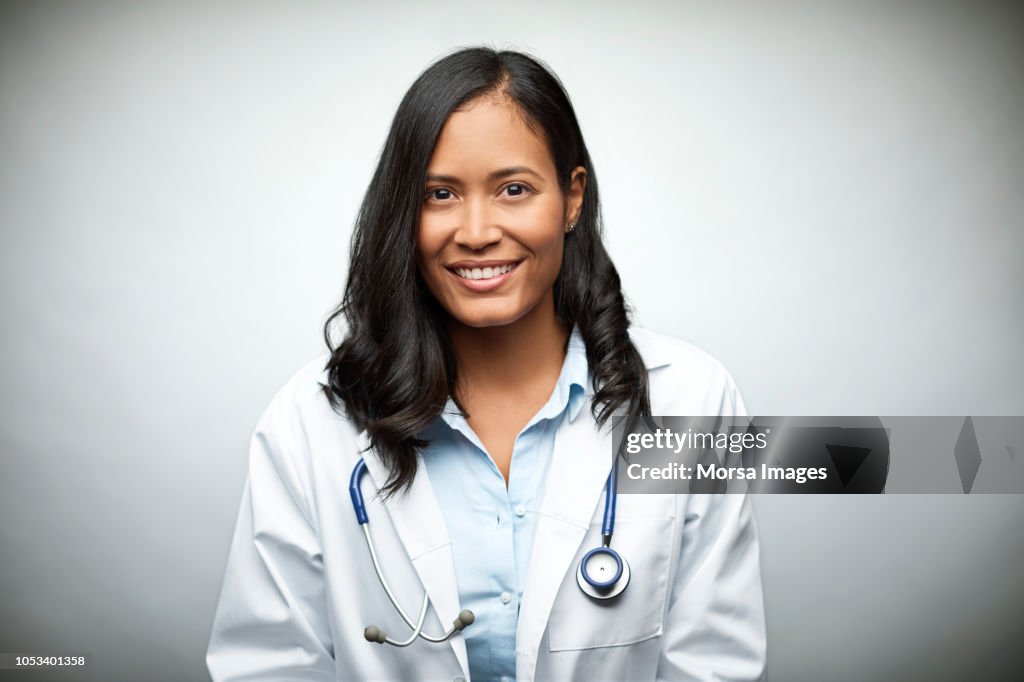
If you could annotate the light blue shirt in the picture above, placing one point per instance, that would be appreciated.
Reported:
(491, 528)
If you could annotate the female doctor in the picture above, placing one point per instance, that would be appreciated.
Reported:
(431, 500)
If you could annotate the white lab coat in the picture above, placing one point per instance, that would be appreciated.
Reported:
(300, 588)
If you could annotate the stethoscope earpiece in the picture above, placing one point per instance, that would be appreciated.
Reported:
(375, 634)
(465, 618)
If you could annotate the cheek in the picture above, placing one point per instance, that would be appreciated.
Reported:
(548, 243)
(428, 247)
(550, 253)
(543, 229)
(429, 242)
(547, 264)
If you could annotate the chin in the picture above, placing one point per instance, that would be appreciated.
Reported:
(482, 321)
(482, 317)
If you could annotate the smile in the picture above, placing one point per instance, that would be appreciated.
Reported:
(482, 277)
(485, 272)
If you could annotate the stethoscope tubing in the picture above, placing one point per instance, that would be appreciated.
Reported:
(361, 516)
(587, 583)
(611, 493)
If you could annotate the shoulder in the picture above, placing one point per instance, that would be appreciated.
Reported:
(300, 444)
(301, 434)
(660, 350)
(684, 378)
(303, 387)
(301, 401)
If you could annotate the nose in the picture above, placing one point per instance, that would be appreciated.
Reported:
(477, 229)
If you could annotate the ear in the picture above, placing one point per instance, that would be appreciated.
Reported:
(574, 203)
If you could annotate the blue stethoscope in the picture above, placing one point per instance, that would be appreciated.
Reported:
(602, 573)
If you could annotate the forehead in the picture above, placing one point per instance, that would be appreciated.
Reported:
(486, 134)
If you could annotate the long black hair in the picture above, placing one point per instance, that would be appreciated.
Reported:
(395, 368)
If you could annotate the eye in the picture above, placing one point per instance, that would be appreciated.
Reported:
(439, 194)
(517, 189)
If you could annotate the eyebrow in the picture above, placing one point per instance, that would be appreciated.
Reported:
(496, 175)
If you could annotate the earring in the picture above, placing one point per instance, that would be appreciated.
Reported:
(570, 228)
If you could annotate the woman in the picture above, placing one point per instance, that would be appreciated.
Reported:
(487, 346)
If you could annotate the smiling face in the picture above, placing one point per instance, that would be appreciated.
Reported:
(493, 219)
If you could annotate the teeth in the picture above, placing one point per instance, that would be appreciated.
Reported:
(484, 273)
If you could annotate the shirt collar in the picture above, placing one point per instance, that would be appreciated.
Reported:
(575, 372)
(570, 390)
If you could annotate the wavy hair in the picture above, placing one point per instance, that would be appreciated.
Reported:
(394, 369)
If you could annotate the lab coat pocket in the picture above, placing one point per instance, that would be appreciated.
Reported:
(580, 622)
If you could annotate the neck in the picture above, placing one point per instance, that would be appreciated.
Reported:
(510, 357)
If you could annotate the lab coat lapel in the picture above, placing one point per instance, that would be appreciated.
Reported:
(580, 464)
(420, 525)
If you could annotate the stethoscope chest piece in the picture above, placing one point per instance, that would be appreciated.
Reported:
(602, 573)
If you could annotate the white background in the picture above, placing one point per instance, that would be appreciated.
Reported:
(824, 195)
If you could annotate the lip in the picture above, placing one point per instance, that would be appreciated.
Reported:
(482, 263)
(482, 285)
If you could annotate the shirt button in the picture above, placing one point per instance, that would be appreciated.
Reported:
(505, 597)
(520, 511)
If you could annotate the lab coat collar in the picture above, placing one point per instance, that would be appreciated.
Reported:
(655, 354)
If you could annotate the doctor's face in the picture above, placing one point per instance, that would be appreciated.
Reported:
(493, 218)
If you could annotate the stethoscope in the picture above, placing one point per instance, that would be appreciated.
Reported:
(602, 573)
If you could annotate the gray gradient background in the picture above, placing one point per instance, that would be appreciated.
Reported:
(825, 195)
